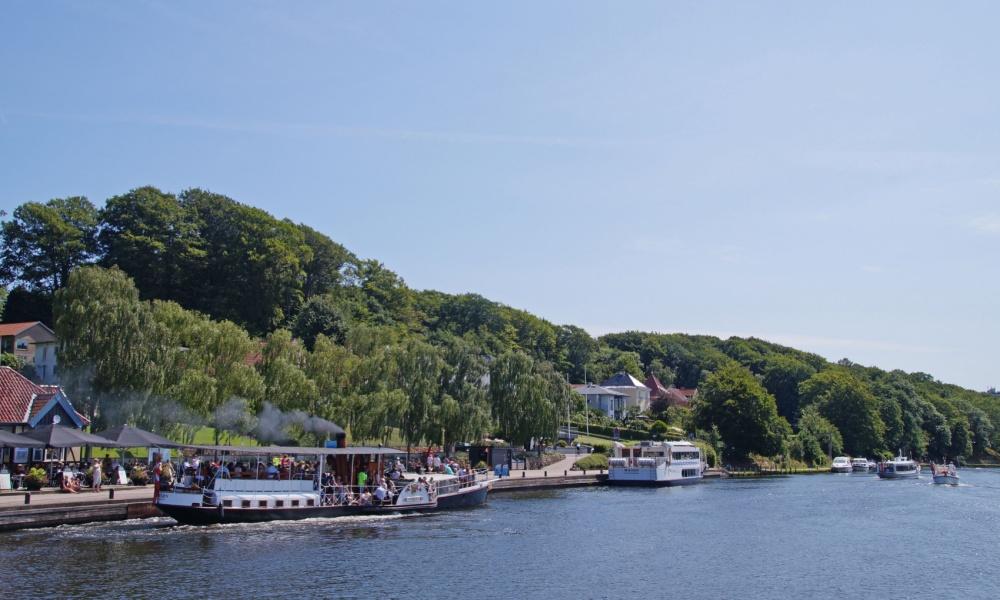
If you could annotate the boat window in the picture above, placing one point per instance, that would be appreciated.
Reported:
(227, 503)
(279, 503)
(310, 503)
(689, 472)
(295, 502)
(246, 504)
(686, 455)
(262, 504)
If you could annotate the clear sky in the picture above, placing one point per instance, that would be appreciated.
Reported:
(824, 175)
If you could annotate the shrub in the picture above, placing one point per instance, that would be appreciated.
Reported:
(592, 462)
(659, 430)
(481, 464)
(35, 479)
(601, 448)
(561, 443)
(140, 476)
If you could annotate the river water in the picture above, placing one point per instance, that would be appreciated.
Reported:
(819, 536)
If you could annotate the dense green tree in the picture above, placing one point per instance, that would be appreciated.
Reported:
(325, 263)
(819, 438)
(24, 305)
(246, 251)
(746, 415)
(42, 243)
(848, 403)
(782, 376)
(155, 240)
(579, 348)
(321, 315)
(961, 439)
(982, 430)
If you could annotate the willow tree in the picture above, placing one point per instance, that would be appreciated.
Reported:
(104, 337)
(461, 411)
(414, 368)
(526, 397)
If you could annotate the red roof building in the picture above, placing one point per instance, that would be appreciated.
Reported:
(26, 405)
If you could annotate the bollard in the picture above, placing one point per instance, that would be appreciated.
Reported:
(523, 473)
(27, 497)
(545, 473)
(564, 473)
(602, 471)
(584, 471)
(111, 494)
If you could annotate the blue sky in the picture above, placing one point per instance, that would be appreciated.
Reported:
(821, 175)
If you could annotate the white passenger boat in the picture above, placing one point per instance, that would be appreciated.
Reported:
(656, 464)
(841, 464)
(899, 468)
(257, 495)
(945, 474)
(859, 465)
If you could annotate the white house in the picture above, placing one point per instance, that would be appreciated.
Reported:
(637, 392)
(609, 402)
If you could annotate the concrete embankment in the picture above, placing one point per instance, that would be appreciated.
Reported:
(75, 513)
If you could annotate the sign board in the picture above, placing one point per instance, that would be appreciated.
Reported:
(163, 452)
(331, 444)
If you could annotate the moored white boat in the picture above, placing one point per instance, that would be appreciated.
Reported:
(945, 474)
(859, 465)
(656, 464)
(841, 464)
(899, 468)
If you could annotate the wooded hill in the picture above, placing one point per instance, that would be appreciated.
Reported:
(193, 308)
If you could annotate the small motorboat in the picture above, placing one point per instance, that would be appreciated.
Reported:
(841, 464)
(945, 474)
(899, 468)
(859, 465)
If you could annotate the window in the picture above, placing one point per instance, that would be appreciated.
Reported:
(689, 472)
(686, 455)
(245, 504)
(262, 504)
(310, 503)
(295, 502)
(227, 503)
(279, 503)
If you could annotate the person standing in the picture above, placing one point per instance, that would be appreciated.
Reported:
(95, 473)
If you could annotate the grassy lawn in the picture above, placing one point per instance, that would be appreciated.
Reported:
(590, 440)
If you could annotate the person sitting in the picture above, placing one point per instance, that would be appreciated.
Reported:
(365, 499)
(272, 471)
(69, 483)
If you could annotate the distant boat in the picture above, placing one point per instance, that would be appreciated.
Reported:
(945, 474)
(841, 464)
(859, 465)
(899, 468)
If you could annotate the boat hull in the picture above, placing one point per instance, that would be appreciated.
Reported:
(946, 479)
(908, 475)
(654, 482)
(214, 515)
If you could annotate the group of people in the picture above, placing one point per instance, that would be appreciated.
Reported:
(73, 477)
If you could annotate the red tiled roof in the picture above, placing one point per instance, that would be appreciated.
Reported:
(16, 328)
(688, 392)
(657, 389)
(16, 395)
(21, 400)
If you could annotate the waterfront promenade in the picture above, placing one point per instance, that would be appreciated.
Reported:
(50, 507)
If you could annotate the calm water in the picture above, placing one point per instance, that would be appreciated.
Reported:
(824, 536)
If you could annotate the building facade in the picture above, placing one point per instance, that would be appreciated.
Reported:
(34, 343)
